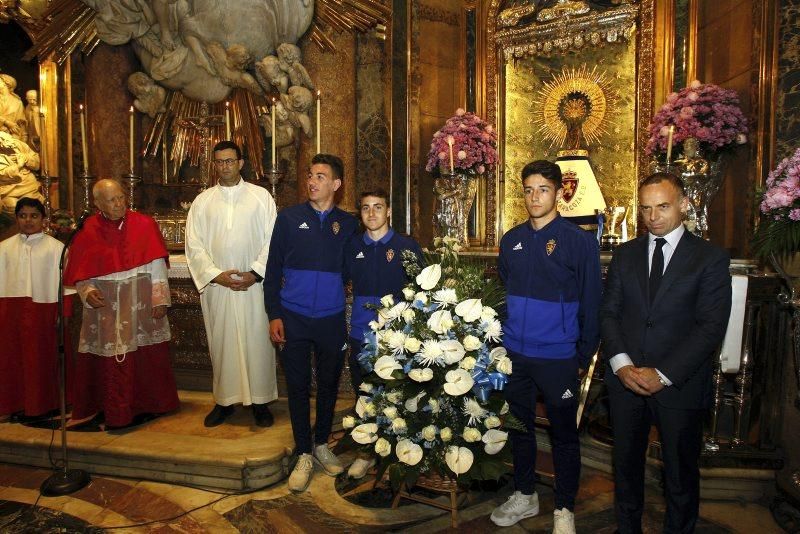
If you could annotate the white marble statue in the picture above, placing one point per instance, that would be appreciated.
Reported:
(270, 75)
(32, 118)
(17, 161)
(298, 102)
(172, 37)
(230, 65)
(289, 57)
(12, 112)
(149, 95)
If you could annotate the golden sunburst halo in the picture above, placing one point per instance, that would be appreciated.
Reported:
(580, 95)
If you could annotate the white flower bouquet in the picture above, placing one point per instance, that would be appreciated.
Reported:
(431, 402)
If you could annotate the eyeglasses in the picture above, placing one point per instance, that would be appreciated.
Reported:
(225, 162)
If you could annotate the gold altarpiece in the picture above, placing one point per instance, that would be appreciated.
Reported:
(525, 57)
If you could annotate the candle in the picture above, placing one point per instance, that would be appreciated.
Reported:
(227, 121)
(450, 142)
(669, 143)
(274, 143)
(83, 143)
(42, 156)
(319, 121)
(130, 114)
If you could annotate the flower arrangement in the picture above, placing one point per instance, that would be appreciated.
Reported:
(430, 403)
(465, 143)
(707, 112)
(779, 230)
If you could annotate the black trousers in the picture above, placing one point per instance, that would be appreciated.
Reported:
(557, 381)
(681, 434)
(326, 336)
(356, 372)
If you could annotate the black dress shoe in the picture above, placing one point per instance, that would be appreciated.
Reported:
(218, 415)
(262, 415)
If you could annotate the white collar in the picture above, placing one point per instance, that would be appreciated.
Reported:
(672, 238)
(30, 238)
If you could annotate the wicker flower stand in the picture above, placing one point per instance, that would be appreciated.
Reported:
(438, 484)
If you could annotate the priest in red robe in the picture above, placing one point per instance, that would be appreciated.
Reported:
(28, 317)
(118, 265)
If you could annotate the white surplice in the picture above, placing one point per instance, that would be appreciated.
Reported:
(230, 228)
(29, 267)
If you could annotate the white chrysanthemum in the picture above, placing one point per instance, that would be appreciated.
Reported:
(385, 366)
(394, 396)
(429, 277)
(445, 297)
(469, 310)
(474, 410)
(493, 331)
(393, 313)
(471, 342)
(440, 321)
(375, 326)
(431, 350)
(452, 351)
(488, 313)
(396, 341)
(408, 452)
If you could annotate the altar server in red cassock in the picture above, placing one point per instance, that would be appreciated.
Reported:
(28, 316)
(117, 263)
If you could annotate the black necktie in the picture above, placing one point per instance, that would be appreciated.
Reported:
(657, 267)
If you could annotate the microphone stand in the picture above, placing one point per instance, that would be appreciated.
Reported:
(66, 480)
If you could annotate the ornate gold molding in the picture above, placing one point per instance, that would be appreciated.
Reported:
(437, 14)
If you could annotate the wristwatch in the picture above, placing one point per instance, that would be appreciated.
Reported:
(663, 382)
(260, 278)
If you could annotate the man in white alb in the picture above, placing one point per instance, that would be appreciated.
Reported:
(228, 231)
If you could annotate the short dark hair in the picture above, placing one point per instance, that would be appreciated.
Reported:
(377, 192)
(334, 162)
(31, 203)
(658, 177)
(225, 145)
(549, 170)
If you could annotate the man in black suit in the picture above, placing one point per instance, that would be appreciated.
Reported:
(664, 314)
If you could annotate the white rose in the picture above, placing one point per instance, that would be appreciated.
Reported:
(348, 421)
(383, 447)
(366, 387)
(471, 342)
(394, 396)
(459, 382)
(488, 313)
(408, 452)
(420, 375)
(429, 276)
(399, 425)
(429, 433)
(387, 301)
(434, 404)
(469, 310)
(408, 293)
(412, 344)
(459, 459)
(494, 440)
(421, 297)
(390, 412)
(370, 409)
(471, 435)
(504, 365)
(446, 434)
(468, 363)
(408, 315)
(440, 321)
(366, 433)
(492, 421)
(452, 351)
(385, 366)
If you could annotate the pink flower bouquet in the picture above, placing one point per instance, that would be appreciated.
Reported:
(474, 145)
(779, 230)
(706, 112)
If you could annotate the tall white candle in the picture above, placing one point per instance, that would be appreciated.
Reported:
(669, 143)
(130, 148)
(227, 121)
(83, 143)
(319, 120)
(42, 150)
(273, 111)
(450, 142)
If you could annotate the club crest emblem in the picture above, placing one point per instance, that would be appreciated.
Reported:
(336, 227)
(389, 255)
(570, 182)
(551, 246)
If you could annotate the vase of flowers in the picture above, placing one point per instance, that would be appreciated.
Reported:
(461, 151)
(699, 125)
(778, 233)
(430, 403)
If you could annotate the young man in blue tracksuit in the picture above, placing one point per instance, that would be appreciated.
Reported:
(304, 297)
(374, 264)
(551, 270)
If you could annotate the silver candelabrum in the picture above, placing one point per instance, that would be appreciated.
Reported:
(131, 180)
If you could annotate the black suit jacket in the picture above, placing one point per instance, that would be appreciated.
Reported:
(681, 331)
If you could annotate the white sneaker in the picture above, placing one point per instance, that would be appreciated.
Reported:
(301, 474)
(360, 467)
(327, 460)
(563, 522)
(517, 507)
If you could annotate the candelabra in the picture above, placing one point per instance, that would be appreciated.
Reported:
(45, 180)
(274, 176)
(86, 182)
(131, 180)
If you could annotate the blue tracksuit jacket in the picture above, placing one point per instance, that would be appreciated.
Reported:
(304, 269)
(553, 286)
(376, 269)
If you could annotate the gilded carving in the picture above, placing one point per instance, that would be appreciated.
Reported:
(437, 14)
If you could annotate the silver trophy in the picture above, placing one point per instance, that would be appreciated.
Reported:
(614, 217)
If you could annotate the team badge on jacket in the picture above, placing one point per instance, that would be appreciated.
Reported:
(389, 255)
(551, 246)
(336, 227)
